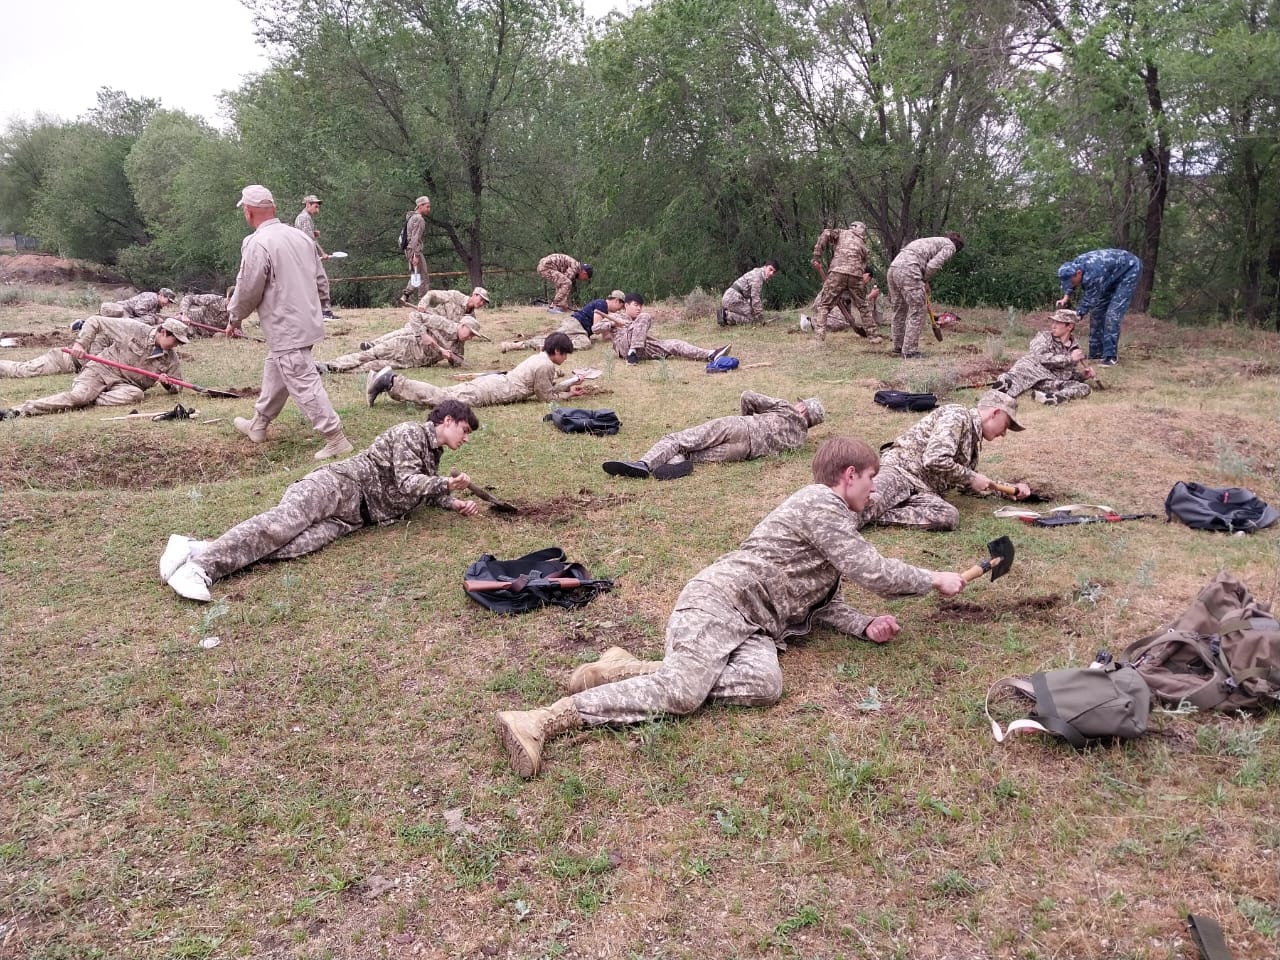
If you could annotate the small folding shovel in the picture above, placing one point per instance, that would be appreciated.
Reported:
(1010, 490)
(161, 377)
(499, 506)
(933, 321)
(1001, 559)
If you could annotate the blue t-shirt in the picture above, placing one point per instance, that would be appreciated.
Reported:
(586, 316)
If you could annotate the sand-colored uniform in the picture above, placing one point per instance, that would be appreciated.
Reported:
(731, 620)
(767, 425)
(416, 232)
(307, 224)
(379, 485)
(743, 301)
(535, 376)
(50, 362)
(631, 335)
(142, 305)
(281, 278)
(569, 326)
(860, 305)
(912, 268)
(401, 349)
(112, 338)
(441, 329)
(560, 270)
(938, 453)
(844, 275)
(207, 308)
(1047, 366)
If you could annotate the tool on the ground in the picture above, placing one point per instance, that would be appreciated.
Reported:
(997, 564)
(1065, 519)
(159, 377)
(933, 321)
(238, 335)
(840, 305)
(524, 582)
(499, 506)
(337, 255)
(1011, 490)
(449, 354)
(186, 414)
(1208, 937)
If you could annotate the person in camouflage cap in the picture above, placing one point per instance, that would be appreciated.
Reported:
(1052, 366)
(207, 308)
(939, 453)
(395, 475)
(141, 306)
(631, 340)
(766, 425)
(909, 276)
(730, 621)
(436, 332)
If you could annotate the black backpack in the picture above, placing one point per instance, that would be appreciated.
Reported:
(598, 423)
(529, 576)
(1225, 509)
(404, 235)
(903, 401)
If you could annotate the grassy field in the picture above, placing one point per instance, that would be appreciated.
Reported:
(326, 782)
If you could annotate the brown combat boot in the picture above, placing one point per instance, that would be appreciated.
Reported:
(523, 733)
(255, 429)
(614, 664)
(337, 446)
(507, 346)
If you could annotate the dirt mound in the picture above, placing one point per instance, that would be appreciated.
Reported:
(43, 268)
(26, 338)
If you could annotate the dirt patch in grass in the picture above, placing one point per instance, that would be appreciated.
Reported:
(156, 459)
(42, 268)
(562, 508)
(1025, 608)
(26, 338)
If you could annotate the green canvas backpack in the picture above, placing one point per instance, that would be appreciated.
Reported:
(1082, 706)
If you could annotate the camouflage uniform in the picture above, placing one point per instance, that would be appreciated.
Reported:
(443, 330)
(561, 270)
(912, 268)
(417, 232)
(1048, 367)
(121, 339)
(1109, 281)
(207, 308)
(631, 335)
(868, 310)
(307, 224)
(401, 350)
(844, 275)
(742, 302)
(731, 620)
(396, 474)
(569, 326)
(141, 305)
(535, 376)
(767, 425)
(51, 362)
(939, 452)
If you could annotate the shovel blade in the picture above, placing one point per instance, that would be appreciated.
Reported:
(1001, 553)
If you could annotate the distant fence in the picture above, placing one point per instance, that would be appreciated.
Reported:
(18, 241)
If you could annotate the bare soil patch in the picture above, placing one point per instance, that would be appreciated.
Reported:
(561, 508)
(26, 338)
(43, 268)
(1038, 607)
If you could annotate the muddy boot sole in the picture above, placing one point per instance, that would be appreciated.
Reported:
(522, 761)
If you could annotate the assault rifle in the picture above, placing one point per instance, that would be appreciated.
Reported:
(1063, 519)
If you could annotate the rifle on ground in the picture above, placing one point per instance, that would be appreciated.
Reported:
(1065, 519)
(525, 582)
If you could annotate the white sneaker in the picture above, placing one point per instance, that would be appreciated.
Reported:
(175, 555)
(190, 581)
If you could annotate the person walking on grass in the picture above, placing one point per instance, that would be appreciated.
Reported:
(723, 638)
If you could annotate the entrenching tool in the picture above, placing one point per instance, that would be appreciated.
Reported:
(933, 321)
(1001, 559)
(844, 310)
(238, 335)
(159, 377)
(499, 506)
(1011, 491)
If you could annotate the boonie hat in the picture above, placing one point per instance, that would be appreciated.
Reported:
(167, 294)
(311, 198)
(177, 328)
(616, 295)
(482, 293)
(470, 322)
(256, 195)
(1064, 316)
(996, 400)
(421, 200)
(815, 411)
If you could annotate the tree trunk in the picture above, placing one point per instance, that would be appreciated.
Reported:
(1156, 157)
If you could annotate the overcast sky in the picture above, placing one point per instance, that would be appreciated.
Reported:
(55, 54)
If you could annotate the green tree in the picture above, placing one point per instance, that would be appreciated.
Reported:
(27, 149)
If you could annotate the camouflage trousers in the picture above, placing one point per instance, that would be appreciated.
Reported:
(906, 290)
(400, 351)
(486, 391)
(580, 342)
(110, 309)
(635, 336)
(563, 283)
(1028, 374)
(95, 385)
(827, 303)
(411, 293)
(50, 362)
(867, 317)
(292, 373)
(206, 308)
(737, 309)
(1105, 320)
(712, 653)
(721, 440)
(901, 500)
(314, 511)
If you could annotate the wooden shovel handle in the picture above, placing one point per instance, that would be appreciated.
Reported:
(978, 569)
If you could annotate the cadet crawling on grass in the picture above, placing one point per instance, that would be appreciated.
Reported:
(537, 377)
(433, 334)
(396, 474)
(766, 425)
(593, 319)
(140, 306)
(723, 638)
(1052, 367)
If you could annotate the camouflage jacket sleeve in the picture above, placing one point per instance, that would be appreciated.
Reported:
(838, 615)
(1053, 354)
(752, 403)
(98, 333)
(951, 451)
(943, 252)
(837, 540)
(825, 238)
(142, 304)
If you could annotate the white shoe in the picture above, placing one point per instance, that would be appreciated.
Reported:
(175, 555)
(190, 581)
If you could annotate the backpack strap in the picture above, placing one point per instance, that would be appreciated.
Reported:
(1208, 937)
(1049, 713)
(1023, 687)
